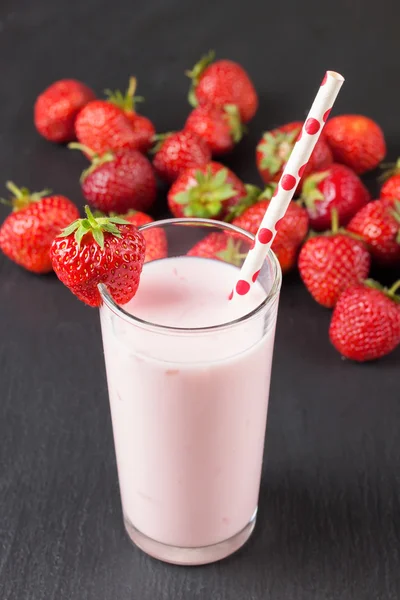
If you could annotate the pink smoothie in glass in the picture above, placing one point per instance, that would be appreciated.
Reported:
(189, 408)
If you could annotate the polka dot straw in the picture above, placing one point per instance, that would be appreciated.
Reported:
(308, 137)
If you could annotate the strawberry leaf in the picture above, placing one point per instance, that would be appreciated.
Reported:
(224, 192)
(94, 225)
(80, 232)
(182, 197)
(99, 237)
(120, 220)
(195, 74)
(311, 193)
(235, 125)
(111, 228)
(126, 102)
(276, 149)
(70, 229)
(220, 177)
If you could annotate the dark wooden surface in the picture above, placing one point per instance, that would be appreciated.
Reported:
(328, 525)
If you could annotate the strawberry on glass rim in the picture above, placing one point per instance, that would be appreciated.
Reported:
(207, 192)
(95, 250)
(275, 147)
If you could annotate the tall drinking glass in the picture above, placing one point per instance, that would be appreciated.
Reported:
(188, 377)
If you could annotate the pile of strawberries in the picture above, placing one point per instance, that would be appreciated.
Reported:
(333, 230)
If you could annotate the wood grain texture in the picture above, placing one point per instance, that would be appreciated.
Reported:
(328, 526)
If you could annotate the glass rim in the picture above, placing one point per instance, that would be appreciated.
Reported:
(274, 291)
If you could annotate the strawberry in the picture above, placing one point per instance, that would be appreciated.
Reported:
(176, 152)
(219, 246)
(106, 250)
(117, 181)
(292, 230)
(391, 187)
(378, 224)
(223, 82)
(27, 233)
(275, 147)
(365, 324)
(56, 109)
(338, 187)
(219, 126)
(356, 141)
(143, 129)
(332, 262)
(207, 191)
(102, 126)
(155, 238)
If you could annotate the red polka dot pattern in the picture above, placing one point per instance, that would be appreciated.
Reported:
(276, 191)
(323, 82)
(278, 224)
(288, 182)
(300, 134)
(326, 114)
(252, 245)
(256, 274)
(230, 295)
(264, 235)
(301, 170)
(242, 287)
(312, 126)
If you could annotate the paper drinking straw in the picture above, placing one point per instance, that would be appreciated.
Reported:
(308, 137)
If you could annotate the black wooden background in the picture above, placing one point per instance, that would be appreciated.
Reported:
(329, 515)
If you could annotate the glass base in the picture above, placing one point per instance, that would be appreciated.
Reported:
(190, 556)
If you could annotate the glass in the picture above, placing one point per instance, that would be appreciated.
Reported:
(189, 405)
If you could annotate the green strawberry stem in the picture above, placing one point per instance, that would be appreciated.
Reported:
(335, 229)
(126, 102)
(396, 215)
(22, 197)
(158, 141)
(76, 146)
(389, 292)
(391, 169)
(396, 286)
(334, 221)
(96, 159)
(195, 74)
(97, 226)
